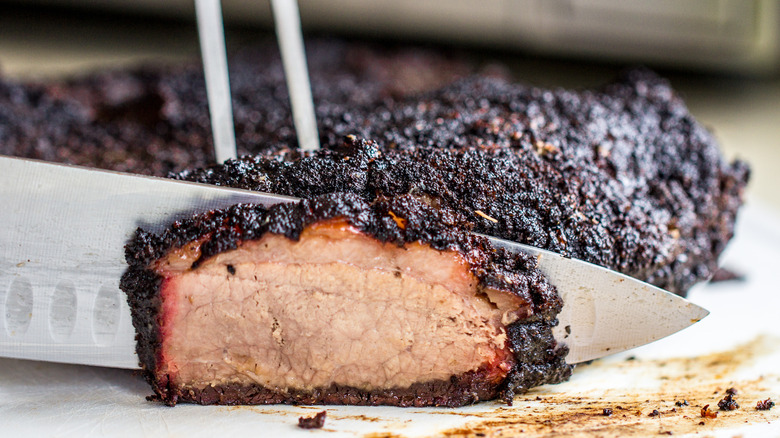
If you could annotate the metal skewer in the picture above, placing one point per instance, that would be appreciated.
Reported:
(212, 46)
(288, 32)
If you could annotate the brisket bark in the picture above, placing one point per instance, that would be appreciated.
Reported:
(451, 320)
(622, 176)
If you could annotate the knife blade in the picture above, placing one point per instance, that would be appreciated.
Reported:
(63, 234)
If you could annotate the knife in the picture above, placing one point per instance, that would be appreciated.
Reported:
(62, 254)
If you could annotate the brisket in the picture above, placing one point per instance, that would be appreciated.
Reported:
(411, 163)
(335, 300)
(623, 176)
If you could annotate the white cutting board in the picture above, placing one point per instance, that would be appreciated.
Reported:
(737, 345)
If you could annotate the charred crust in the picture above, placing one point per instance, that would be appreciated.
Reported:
(461, 390)
(141, 287)
(539, 359)
(728, 403)
(154, 119)
(621, 176)
(542, 359)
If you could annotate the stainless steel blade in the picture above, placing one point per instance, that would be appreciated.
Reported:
(62, 236)
(604, 311)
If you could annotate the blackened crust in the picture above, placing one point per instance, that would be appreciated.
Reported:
(464, 389)
(622, 176)
(540, 359)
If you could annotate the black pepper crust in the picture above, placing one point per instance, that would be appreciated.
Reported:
(622, 176)
(627, 157)
(539, 358)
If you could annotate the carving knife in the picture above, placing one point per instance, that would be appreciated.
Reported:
(62, 254)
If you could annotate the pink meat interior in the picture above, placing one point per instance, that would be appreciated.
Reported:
(334, 307)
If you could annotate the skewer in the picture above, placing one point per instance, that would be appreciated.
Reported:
(288, 31)
(212, 46)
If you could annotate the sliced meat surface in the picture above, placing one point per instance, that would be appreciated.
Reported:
(334, 307)
(333, 300)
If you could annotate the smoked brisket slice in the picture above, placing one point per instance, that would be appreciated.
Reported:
(337, 300)
(621, 176)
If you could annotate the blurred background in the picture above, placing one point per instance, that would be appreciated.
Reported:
(723, 56)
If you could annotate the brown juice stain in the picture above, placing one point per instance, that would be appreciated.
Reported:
(357, 417)
(332, 413)
(703, 380)
(382, 435)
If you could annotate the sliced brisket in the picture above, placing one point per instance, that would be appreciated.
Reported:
(335, 300)
(623, 177)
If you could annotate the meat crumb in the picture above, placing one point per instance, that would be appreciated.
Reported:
(606, 412)
(315, 422)
(707, 413)
(723, 274)
(728, 403)
(765, 405)
(655, 413)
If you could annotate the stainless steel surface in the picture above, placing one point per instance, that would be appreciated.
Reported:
(718, 35)
(64, 233)
(212, 47)
(288, 32)
(604, 311)
(62, 237)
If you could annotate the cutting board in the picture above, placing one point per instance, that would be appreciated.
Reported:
(657, 389)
